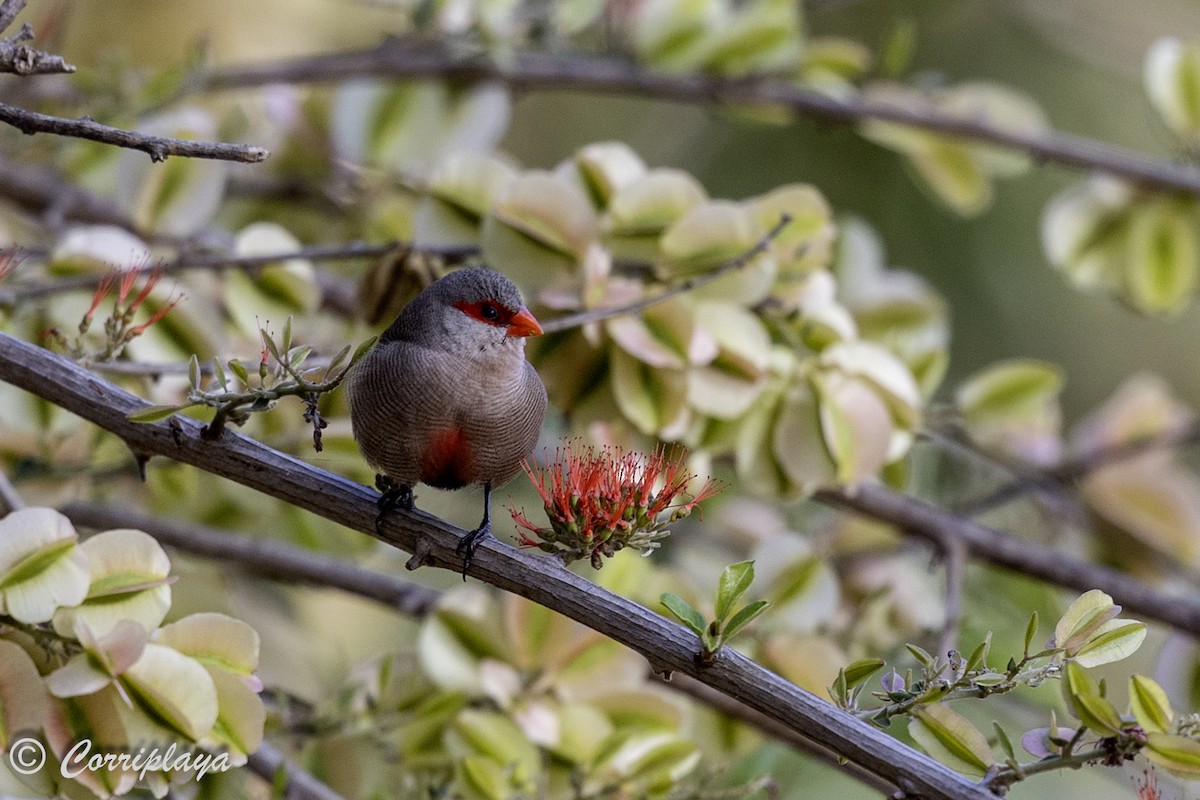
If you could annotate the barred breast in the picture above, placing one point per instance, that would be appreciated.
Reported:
(445, 419)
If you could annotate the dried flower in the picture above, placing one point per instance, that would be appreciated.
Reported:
(599, 501)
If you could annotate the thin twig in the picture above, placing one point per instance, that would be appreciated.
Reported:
(158, 147)
(264, 557)
(668, 646)
(298, 784)
(1071, 470)
(9, 10)
(400, 58)
(21, 59)
(218, 261)
(934, 524)
(954, 558)
(597, 314)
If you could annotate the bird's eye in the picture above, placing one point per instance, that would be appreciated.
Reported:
(489, 312)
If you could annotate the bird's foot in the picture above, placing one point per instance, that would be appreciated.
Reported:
(467, 544)
(392, 495)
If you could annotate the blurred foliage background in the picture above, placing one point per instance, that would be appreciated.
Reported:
(1080, 60)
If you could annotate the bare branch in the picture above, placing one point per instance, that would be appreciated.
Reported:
(1053, 480)
(399, 58)
(268, 762)
(265, 557)
(668, 647)
(954, 557)
(22, 59)
(45, 192)
(158, 147)
(598, 314)
(929, 522)
(9, 10)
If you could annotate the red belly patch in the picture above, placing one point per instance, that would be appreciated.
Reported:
(448, 463)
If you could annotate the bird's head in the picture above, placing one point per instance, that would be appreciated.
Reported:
(467, 310)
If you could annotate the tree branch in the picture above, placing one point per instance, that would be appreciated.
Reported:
(158, 147)
(1077, 468)
(43, 191)
(265, 557)
(21, 59)
(929, 522)
(287, 564)
(667, 646)
(9, 10)
(401, 58)
(268, 762)
(735, 709)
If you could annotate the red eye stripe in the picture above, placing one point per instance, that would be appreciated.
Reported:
(478, 310)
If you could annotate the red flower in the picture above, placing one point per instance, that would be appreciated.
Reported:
(601, 501)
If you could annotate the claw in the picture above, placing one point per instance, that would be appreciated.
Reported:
(466, 545)
(392, 496)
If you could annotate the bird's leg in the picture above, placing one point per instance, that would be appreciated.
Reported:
(392, 495)
(466, 545)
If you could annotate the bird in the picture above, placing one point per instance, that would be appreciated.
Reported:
(446, 396)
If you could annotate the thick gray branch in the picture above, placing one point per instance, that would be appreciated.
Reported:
(397, 58)
(268, 762)
(544, 580)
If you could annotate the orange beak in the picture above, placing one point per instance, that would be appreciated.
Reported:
(524, 324)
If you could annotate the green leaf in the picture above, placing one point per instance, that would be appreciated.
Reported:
(174, 689)
(1162, 256)
(1112, 641)
(735, 580)
(194, 372)
(1008, 388)
(744, 617)
(921, 655)
(952, 739)
(1150, 705)
(1031, 631)
(1177, 754)
(979, 655)
(683, 611)
(239, 369)
(219, 374)
(155, 413)
(286, 344)
(362, 349)
(1005, 742)
(1082, 692)
(1081, 619)
(862, 669)
(336, 361)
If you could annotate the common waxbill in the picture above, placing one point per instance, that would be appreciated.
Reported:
(446, 397)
